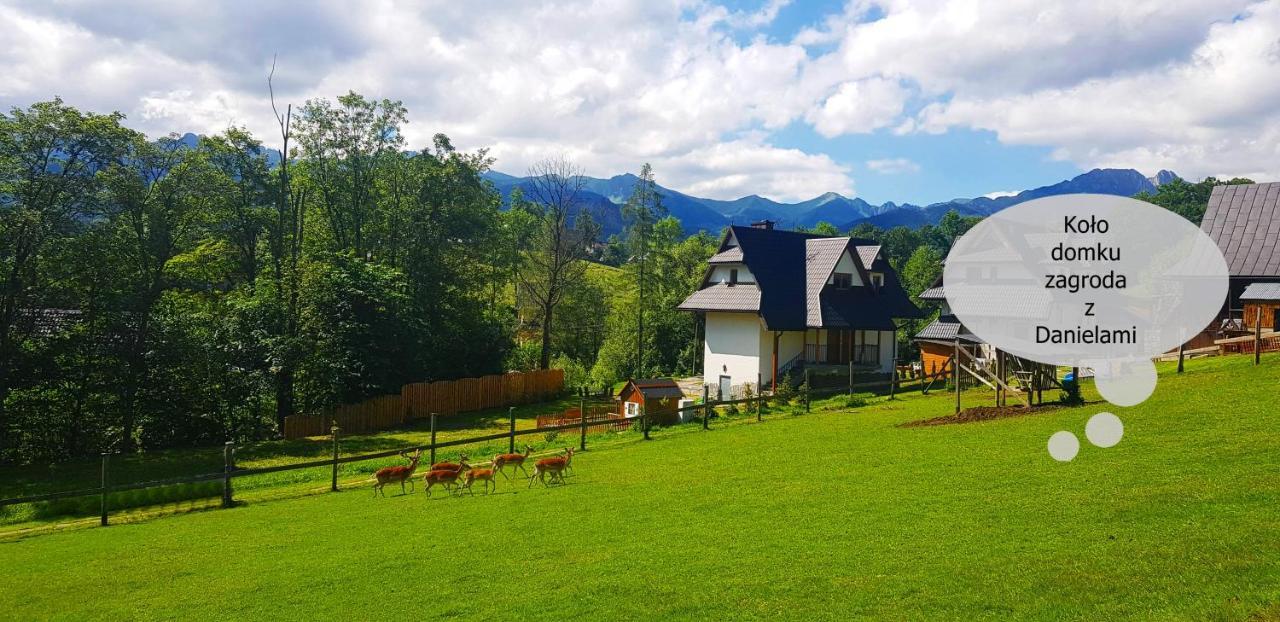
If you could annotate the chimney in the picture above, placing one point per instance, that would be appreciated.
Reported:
(767, 225)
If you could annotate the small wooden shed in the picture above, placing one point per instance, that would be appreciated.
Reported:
(1261, 302)
(659, 397)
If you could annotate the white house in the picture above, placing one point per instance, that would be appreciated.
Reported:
(776, 301)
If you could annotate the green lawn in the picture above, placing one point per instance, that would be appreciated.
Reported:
(837, 514)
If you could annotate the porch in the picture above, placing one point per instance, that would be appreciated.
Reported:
(841, 347)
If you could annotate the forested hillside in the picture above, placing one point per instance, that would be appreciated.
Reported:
(175, 292)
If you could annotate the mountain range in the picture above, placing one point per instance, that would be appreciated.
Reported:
(603, 199)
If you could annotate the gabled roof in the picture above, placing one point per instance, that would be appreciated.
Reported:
(654, 388)
(1244, 220)
(946, 328)
(933, 293)
(1269, 292)
(791, 270)
(732, 254)
(821, 257)
(724, 297)
(868, 255)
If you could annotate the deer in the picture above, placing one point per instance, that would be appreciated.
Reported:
(485, 475)
(460, 465)
(555, 466)
(502, 461)
(444, 477)
(390, 474)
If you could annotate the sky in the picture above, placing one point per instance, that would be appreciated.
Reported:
(895, 100)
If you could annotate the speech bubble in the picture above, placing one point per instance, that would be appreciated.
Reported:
(1087, 280)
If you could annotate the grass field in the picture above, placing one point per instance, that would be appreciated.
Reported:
(836, 514)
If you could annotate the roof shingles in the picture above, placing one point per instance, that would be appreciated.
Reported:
(1244, 220)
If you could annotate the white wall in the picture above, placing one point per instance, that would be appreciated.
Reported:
(846, 266)
(721, 273)
(888, 345)
(732, 347)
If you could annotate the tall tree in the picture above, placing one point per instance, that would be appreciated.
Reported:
(50, 154)
(557, 256)
(642, 211)
(161, 198)
(344, 145)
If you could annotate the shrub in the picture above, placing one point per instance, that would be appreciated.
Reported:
(1071, 392)
(551, 436)
(855, 401)
(731, 409)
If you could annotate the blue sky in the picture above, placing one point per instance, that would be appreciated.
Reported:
(890, 100)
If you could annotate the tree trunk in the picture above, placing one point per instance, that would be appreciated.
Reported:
(284, 396)
(545, 360)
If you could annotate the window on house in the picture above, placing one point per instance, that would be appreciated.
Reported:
(733, 276)
(633, 409)
(842, 280)
(877, 279)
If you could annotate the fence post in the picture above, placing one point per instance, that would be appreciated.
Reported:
(433, 438)
(228, 464)
(808, 389)
(850, 377)
(106, 461)
(511, 446)
(644, 421)
(955, 374)
(1181, 355)
(1257, 338)
(333, 485)
(893, 378)
(759, 395)
(582, 417)
(706, 404)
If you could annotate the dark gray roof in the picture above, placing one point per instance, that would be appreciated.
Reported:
(656, 387)
(1244, 220)
(780, 262)
(933, 293)
(946, 328)
(1262, 291)
(724, 297)
(729, 255)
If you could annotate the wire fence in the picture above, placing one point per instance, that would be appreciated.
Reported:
(222, 482)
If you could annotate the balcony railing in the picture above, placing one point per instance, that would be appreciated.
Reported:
(821, 354)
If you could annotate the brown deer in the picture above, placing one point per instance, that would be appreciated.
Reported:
(444, 477)
(502, 461)
(400, 474)
(554, 466)
(452, 466)
(485, 475)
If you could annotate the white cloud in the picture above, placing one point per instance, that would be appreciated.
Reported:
(690, 86)
(1216, 112)
(858, 107)
(893, 166)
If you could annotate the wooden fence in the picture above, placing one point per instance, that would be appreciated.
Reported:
(606, 414)
(420, 399)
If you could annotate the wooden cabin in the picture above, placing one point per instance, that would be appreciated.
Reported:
(659, 398)
(1261, 303)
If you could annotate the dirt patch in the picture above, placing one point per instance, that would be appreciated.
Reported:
(981, 413)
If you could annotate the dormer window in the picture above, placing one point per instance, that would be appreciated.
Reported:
(877, 279)
(733, 276)
(842, 280)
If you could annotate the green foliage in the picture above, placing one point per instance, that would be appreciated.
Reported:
(855, 401)
(1187, 199)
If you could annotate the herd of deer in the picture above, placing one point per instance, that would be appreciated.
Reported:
(449, 474)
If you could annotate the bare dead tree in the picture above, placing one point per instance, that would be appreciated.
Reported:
(285, 242)
(557, 253)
